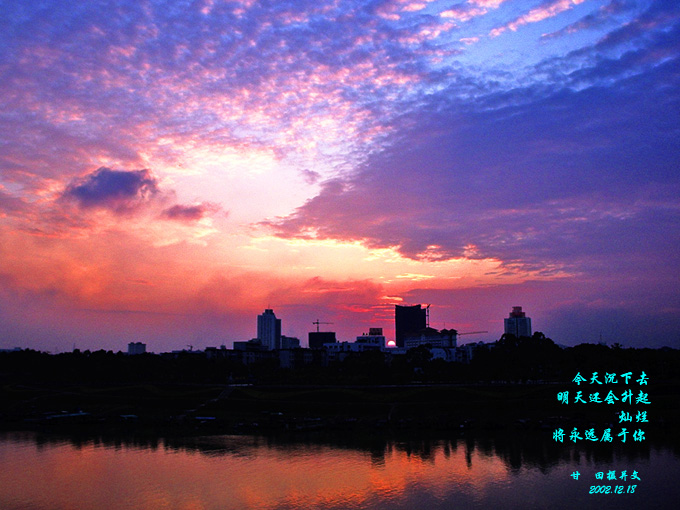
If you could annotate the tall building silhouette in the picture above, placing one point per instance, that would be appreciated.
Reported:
(269, 330)
(408, 320)
(518, 323)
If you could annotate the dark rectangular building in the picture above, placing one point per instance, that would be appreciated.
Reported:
(408, 320)
(318, 338)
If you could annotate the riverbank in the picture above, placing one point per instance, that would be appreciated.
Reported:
(225, 409)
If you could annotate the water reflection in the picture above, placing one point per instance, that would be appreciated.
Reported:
(324, 472)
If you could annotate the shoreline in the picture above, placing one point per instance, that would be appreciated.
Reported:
(237, 409)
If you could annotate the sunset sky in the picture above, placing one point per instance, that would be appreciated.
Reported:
(168, 170)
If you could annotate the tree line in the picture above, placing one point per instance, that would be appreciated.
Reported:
(510, 359)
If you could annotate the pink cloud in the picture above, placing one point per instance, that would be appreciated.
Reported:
(473, 9)
(540, 13)
(11, 204)
(463, 13)
(389, 9)
(491, 4)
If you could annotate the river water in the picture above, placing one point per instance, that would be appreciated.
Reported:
(250, 472)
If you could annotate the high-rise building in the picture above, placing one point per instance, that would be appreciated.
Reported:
(408, 320)
(269, 330)
(518, 323)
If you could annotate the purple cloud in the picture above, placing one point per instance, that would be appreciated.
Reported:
(189, 213)
(541, 178)
(310, 176)
(117, 190)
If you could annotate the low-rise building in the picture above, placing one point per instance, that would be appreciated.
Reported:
(289, 342)
(136, 348)
(430, 336)
(374, 340)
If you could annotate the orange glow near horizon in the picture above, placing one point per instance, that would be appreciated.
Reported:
(213, 268)
(173, 263)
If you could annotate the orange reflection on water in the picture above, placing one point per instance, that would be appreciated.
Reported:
(248, 476)
(438, 473)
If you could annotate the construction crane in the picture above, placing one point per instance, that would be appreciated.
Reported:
(472, 333)
(317, 322)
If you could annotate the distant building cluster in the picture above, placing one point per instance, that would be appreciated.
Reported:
(269, 337)
(136, 348)
(15, 349)
(412, 330)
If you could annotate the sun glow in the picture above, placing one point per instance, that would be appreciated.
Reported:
(338, 260)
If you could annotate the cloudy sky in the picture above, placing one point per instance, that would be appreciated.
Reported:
(170, 169)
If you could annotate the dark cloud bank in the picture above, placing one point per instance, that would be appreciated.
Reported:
(126, 192)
